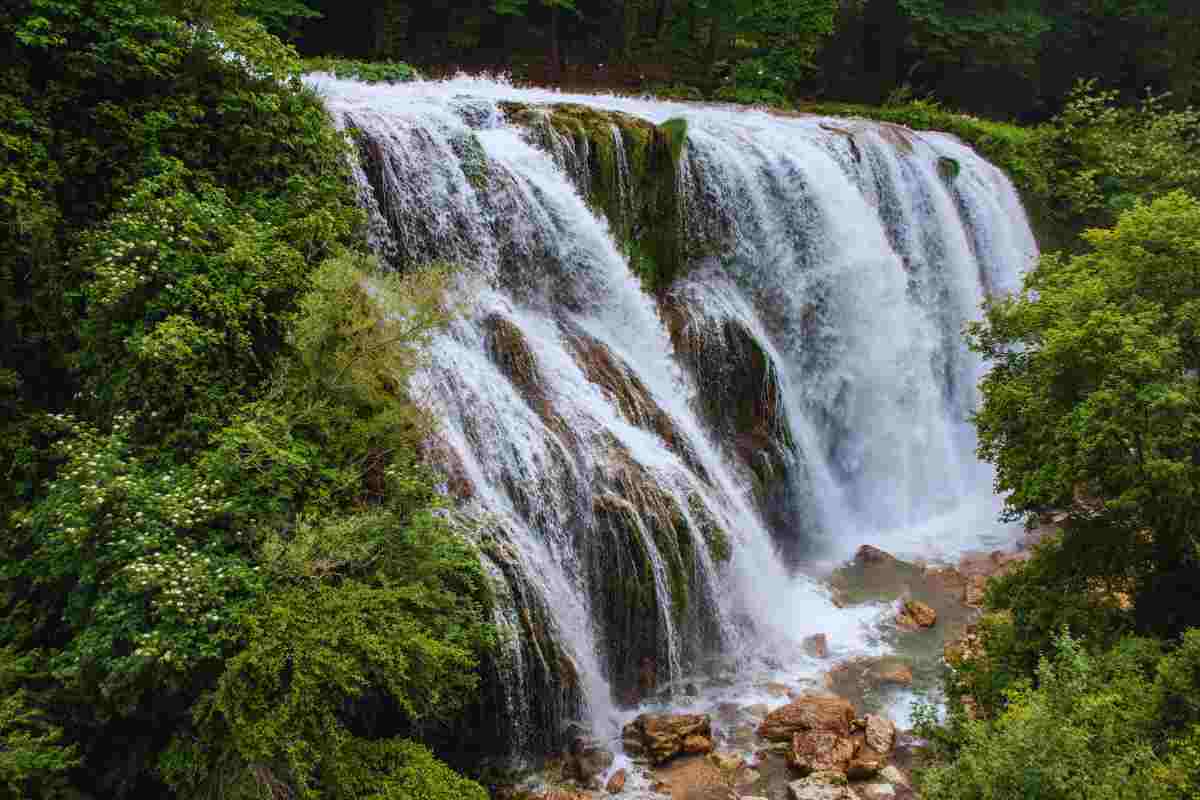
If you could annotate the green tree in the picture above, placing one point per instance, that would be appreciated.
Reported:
(1091, 402)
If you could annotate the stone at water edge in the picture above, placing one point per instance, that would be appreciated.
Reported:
(915, 614)
(803, 790)
(587, 761)
(818, 751)
(661, 737)
(808, 712)
(880, 733)
(877, 791)
(896, 674)
(869, 554)
(892, 774)
(817, 645)
(727, 762)
(616, 784)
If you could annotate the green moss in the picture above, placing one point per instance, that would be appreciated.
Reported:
(948, 168)
(472, 160)
(714, 535)
(675, 131)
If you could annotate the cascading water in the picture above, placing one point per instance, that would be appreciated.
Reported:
(654, 466)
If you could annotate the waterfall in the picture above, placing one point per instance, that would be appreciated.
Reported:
(694, 358)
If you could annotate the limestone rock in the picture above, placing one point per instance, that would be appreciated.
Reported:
(892, 672)
(974, 591)
(831, 777)
(803, 790)
(915, 614)
(880, 733)
(726, 762)
(877, 791)
(892, 774)
(808, 712)
(616, 784)
(817, 645)
(660, 737)
(820, 751)
(869, 554)
(865, 764)
(588, 760)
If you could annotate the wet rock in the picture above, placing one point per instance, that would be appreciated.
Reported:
(616, 784)
(818, 751)
(892, 774)
(880, 733)
(809, 712)
(726, 762)
(776, 689)
(691, 690)
(802, 790)
(975, 590)
(865, 764)
(894, 673)
(758, 710)
(914, 614)
(748, 776)
(817, 645)
(869, 554)
(833, 778)
(588, 760)
(661, 737)
(562, 794)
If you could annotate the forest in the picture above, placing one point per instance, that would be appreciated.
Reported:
(228, 568)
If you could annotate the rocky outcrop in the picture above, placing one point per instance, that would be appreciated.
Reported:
(661, 737)
(820, 751)
(914, 615)
(587, 761)
(817, 645)
(879, 733)
(616, 784)
(808, 713)
(805, 790)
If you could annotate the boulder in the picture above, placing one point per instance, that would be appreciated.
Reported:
(661, 737)
(817, 645)
(865, 764)
(892, 672)
(820, 751)
(588, 760)
(726, 762)
(892, 774)
(810, 712)
(830, 777)
(877, 791)
(803, 790)
(616, 784)
(776, 689)
(915, 614)
(869, 554)
(880, 733)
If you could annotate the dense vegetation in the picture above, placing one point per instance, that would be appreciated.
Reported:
(218, 535)
(1027, 53)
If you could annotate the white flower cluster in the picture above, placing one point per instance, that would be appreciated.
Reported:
(130, 255)
(184, 582)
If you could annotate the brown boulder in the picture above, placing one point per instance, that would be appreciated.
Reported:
(915, 614)
(819, 751)
(663, 736)
(808, 712)
(804, 790)
(869, 554)
(880, 733)
(865, 764)
(616, 784)
(892, 672)
(817, 645)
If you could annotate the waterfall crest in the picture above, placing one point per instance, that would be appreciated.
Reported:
(703, 347)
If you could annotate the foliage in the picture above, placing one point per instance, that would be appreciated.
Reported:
(365, 71)
(1087, 730)
(32, 756)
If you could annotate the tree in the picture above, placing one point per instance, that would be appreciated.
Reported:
(1093, 401)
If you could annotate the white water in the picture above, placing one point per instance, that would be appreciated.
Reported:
(851, 263)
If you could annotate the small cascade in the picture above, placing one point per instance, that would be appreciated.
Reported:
(702, 348)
